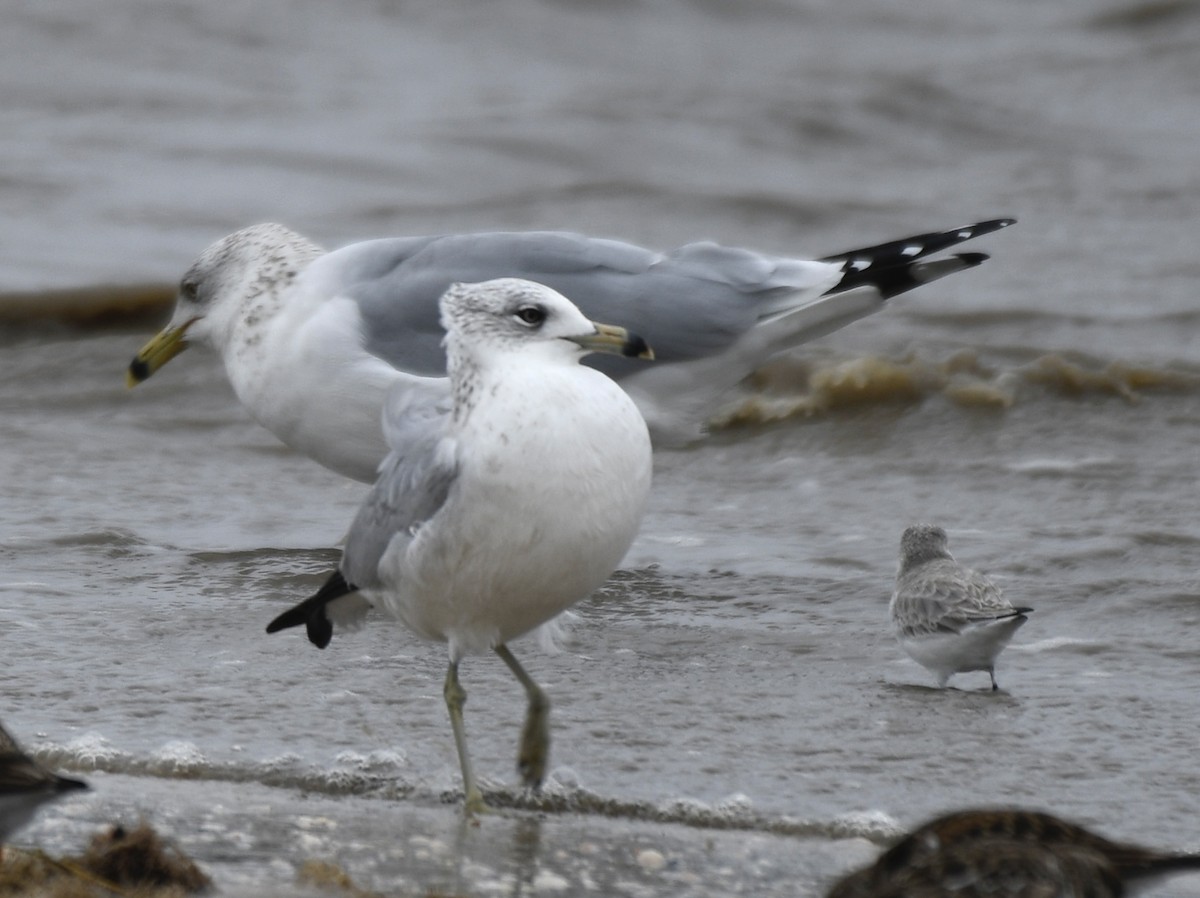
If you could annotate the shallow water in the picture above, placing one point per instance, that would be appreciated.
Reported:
(733, 700)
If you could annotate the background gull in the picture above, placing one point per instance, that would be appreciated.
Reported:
(313, 342)
(25, 785)
(504, 501)
(948, 618)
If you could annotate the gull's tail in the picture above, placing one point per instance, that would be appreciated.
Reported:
(893, 268)
(312, 611)
(675, 397)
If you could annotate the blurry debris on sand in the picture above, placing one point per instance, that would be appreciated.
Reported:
(133, 862)
(329, 877)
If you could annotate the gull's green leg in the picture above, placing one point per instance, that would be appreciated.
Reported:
(456, 697)
(535, 735)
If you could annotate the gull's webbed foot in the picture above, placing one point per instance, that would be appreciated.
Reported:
(534, 753)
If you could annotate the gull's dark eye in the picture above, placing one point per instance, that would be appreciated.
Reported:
(189, 289)
(531, 315)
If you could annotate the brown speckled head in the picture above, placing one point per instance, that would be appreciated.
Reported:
(921, 543)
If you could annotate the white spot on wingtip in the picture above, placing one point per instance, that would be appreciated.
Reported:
(911, 250)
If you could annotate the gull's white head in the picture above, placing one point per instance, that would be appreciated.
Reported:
(512, 315)
(234, 283)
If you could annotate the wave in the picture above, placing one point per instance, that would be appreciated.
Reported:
(378, 775)
(111, 542)
(805, 387)
(791, 386)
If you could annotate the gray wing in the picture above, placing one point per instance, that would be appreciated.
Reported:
(941, 596)
(689, 303)
(692, 302)
(414, 479)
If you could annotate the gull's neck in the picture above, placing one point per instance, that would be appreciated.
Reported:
(466, 371)
(475, 367)
(272, 290)
(263, 294)
(922, 555)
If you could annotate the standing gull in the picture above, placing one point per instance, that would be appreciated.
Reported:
(313, 342)
(950, 619)
(1009, 853)
(25, 785)
(503, 502)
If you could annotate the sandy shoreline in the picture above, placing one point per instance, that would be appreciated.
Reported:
(347, 845)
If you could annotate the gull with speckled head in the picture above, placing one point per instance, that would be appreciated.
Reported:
(25, 785)
(949, 619)
(313, 342)
(506, 498)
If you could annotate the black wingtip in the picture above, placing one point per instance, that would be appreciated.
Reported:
(293, 617)
(312, 616)
(66, 784)
(311, 612)
(899, 266)
(910, 249)
(970, 260)
(318, 628)
(987, 227)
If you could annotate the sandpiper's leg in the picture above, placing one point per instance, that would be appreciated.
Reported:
(992, 674)
(535, 735)
(456, 697)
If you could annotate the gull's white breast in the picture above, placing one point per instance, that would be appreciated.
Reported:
(553, 475)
